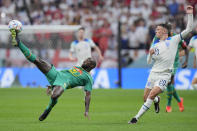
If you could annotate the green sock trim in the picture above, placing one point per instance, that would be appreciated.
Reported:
(51, 104)
(27, 53)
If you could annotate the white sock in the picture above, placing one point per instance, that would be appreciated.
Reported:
(144, 108)
(156, 99)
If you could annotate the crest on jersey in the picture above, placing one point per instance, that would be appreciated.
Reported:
(167, 43)
(75, 71)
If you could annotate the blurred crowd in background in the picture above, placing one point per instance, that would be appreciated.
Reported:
(100, 18)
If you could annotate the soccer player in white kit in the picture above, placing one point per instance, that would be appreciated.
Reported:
(82, 47)
(163, 54)
(193, 44)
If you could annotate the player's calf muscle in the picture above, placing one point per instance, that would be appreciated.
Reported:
(42, 65)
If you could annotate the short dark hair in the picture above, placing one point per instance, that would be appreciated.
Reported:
(167, 26)
(81, 28)
(89, 64)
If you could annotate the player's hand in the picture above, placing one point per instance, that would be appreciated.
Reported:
(151, 51)
(189, 9)
(184, 65)
(72, 59)
(86, 115)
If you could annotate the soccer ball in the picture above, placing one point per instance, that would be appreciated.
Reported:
(15, 24)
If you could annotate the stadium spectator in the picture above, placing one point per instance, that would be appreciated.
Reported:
(173, 8)
(104, 36)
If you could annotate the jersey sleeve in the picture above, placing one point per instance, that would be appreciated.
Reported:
(89, 84)
(189, 27)
(92, 44)
(149, 59)
(154, 41)
(72, 47)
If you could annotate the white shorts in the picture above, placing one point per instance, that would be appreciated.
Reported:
(158, 79)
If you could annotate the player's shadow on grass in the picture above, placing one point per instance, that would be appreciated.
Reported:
(89, 122)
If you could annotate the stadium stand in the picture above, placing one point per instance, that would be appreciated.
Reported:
(99, 17)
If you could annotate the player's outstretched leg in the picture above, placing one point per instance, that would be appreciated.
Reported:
(41, 64)
(145, 107)
(57, 91)
(156, 99)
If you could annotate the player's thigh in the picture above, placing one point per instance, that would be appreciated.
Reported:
(154, 92)
(42, 65)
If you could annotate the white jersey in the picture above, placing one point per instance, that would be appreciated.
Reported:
(193, 43)
(82, 49)
(165, 51)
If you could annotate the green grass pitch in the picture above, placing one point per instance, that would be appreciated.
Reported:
(110, 110)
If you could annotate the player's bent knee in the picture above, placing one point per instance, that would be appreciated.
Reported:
(152, 96)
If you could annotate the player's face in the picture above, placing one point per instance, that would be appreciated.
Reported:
(80, 34)
(160, 31)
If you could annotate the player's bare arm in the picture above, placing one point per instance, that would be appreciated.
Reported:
(189, 11)
(71, 56)
(99, 52)
(87, 103)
